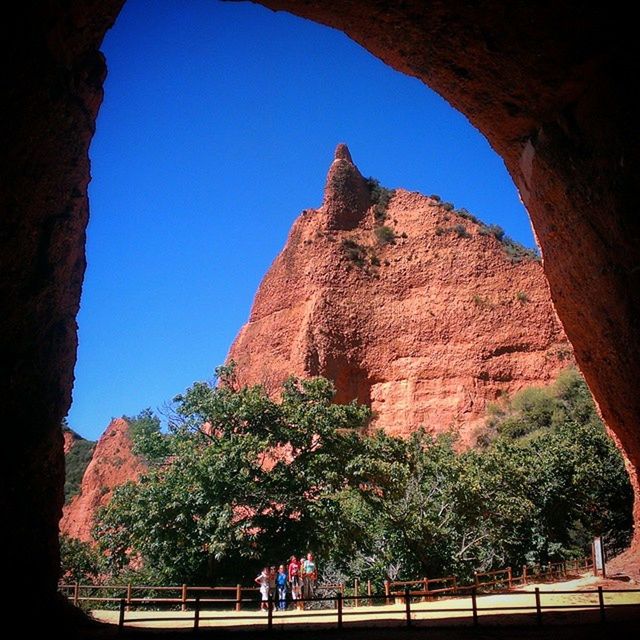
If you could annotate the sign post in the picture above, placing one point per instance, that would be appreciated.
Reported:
(599, 568)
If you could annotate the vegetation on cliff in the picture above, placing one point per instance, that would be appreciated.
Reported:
(76, 462)
(241, 479)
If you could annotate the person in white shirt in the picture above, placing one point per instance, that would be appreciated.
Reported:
(263, 582)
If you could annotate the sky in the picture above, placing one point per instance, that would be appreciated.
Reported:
(217, 129)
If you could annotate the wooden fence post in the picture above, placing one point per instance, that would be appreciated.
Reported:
(475, 578)
(369, 592)
(538, 607)
(183, 597)
(474, 606)
(196, 612)
(356, 584)
(340, 610)
(524, 574)
(407, 605)
(603, 614)
(270, 612)
(509, 577)
(121, 616)
(387, 591)
(76, 594)
(238, 597)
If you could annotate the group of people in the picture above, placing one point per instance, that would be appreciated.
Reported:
(297, 580)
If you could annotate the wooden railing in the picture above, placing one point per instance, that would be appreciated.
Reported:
(446, 585)
(409, 613)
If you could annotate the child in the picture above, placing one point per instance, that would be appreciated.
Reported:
(281, 583)
(263, 581)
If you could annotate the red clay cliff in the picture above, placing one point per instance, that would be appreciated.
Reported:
(426, 321)
(113, 464)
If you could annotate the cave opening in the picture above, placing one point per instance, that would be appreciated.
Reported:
(548, 87)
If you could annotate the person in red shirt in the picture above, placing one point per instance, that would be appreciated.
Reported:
(294, 579)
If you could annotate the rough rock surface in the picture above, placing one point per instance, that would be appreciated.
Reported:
(113, 463)
(426, 329)
(70, 437)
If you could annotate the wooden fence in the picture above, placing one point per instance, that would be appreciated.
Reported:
(470, 607)
(183, 595)
(237, 596)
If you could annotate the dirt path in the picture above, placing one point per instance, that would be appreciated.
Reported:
(520, 607)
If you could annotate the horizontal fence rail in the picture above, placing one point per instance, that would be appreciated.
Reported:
(402, 599)
(471, 607)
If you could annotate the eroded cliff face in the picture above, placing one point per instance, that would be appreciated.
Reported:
(113, 463)
(426, 324)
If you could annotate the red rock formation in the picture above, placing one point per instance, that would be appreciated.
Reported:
(426, 330)
(113, 463)
(70, 438)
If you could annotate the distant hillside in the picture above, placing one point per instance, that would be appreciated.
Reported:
(78, 454)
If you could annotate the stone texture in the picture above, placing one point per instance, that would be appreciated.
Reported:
(442, 326)
(551, 85)
(112, 464)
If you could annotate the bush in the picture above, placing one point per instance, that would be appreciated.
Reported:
(354, 251)
(440, 231)
(375, 261)
(521, 296)
(448, 206)
(379, 197)
(463, 213)
(461, 231)
(79, 561)
(385, 235)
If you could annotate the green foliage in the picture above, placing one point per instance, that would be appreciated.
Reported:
(491, 230)
(461, 231)
(518, 252)
(148, 441)
(75, 464)
(248, 480)
(79, 561)
(356, 252)
(482, 303)
(521, 296)
(463, 213)
(380, 197)
(448, 206)
(581, 485)
(385, 235)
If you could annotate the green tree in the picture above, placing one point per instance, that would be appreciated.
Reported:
(79, 561)
(244, 477)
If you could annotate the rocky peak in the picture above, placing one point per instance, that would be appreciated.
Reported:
(346, 194)
(426, 318)
(113, 463)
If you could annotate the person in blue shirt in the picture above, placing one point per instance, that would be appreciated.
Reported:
(281, 584)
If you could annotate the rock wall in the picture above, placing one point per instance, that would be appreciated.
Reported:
(426, 325)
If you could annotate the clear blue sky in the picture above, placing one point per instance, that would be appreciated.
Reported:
(218, 126)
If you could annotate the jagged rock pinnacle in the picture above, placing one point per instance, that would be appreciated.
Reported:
(346, 195)
(342, 153)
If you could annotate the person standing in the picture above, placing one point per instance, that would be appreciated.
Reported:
(281, 584)
(309, 577)
(295, 581)
(263, 582)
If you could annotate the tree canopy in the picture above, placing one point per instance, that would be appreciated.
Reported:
(241, 479)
